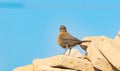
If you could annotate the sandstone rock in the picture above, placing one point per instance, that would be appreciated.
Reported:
(117, 40)
(65, 61)
(111, 51)
(97, 59)
(24, 68)
(48, 68)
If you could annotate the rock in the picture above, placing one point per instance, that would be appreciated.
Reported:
(97, 59)
(73, 62)
(24, 68)
(117, 40)
(66, 62)
(111, 51)
(48, 68)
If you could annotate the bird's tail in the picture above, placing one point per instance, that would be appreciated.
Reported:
(82, 46)
(85, 41)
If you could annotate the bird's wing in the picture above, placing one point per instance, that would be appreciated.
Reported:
(69, 38)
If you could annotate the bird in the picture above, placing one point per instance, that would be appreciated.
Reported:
(66, 40)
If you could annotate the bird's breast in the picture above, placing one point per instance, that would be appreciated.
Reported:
(59, 39)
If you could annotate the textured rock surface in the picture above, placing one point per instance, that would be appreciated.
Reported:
(117, 40)
(24, 68)
(97, 59)
(48, 68)
(111, 52)
(65, 61)
(73, 62)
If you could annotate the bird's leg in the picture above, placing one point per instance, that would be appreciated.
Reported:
(69, 51)
(64, 51)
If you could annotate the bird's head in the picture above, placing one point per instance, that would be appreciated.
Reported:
(63, 28)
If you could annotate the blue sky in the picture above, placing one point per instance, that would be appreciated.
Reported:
(29, 28)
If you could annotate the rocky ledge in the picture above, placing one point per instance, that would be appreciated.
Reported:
(102, 54)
